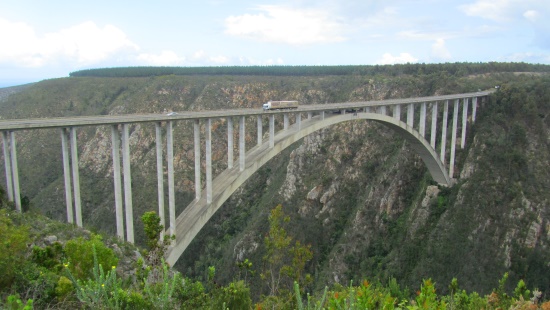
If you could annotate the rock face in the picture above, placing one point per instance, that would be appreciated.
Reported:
(355, 191)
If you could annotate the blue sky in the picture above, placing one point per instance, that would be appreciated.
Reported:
(49, 39)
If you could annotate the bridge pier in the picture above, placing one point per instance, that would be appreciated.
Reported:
(271, 130)
(127, 182)
(197, 149)
(464, 122)
(444, 131)
(259, 130)
(434, 124)
(422, 125)
(68, 141)
(453, 138)
(208, 156)
(474, 108)
(229, 149)
(299, 121)
(242, 146)
(410, 115)
(383, 110)
(285, 121)
(115, 138)
(7, 164)
(170, 168)
(397, 112)
(160, 174)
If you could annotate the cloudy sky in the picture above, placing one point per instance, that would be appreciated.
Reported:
(48, 39)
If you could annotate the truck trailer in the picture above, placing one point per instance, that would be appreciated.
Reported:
(280, 105)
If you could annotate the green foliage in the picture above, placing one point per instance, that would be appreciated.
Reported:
(13, 302)
(63, 288)
(281, 270)
(102, 290)
(50, 257)
(13, 246)
(236, 295)
(80, 254)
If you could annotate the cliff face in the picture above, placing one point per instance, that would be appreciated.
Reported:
(355, 191)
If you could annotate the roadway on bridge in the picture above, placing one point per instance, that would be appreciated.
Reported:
(36, 123)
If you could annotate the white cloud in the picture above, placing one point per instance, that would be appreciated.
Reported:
(531, 15)
(83, 44)
(388, 59)
(504, 10)
(280, 24)
(440, 51)
(165, 58)
(218, 59)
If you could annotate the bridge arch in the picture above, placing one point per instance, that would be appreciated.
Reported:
(198, 213)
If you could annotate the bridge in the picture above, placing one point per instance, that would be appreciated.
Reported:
(419, 132)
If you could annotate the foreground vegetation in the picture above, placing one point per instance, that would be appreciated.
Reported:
(82, 273)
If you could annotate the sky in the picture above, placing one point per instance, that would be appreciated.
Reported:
(49, 39)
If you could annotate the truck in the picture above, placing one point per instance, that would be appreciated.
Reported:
(280, 105)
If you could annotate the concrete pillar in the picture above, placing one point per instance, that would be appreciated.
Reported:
(7, 165)
(383, 110)
(299, 121)
(444, 131)
(197, 146)
(367, 109)
(15, 172)
(322, 115)
(67, 175)
(116, 178)
(127, 183)
(309, 115)
(286, 121)
(229, 143)
(242, 149)
(260, 130)
(434, 124)
(422, 125)
(464, 123)
(453, 138)
(170, 168)
(474, 109)
(160, 173)
(208, 157)
(410, 115)
(342, 111)
(271, 130)
(76, 177)
(397, 112)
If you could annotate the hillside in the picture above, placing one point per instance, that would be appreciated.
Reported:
(355, 192)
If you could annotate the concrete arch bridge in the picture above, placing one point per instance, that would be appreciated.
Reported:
(418, 127)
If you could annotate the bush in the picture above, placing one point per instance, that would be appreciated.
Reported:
(13, 246)
(80, 256)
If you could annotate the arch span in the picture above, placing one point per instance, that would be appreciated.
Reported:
(198, 213)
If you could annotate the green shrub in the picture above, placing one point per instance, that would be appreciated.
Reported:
(80, 256)
(13, 246)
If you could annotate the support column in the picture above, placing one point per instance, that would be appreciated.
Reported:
(367, 109)
(116, 178)
(208, 142)
(15, 172)
(383, 110)
(127, 183)
(309, 115)
(342, 111)
(286, 122)
(474, 109)
(434, 124)
(229, 143)
(271, 131)
(197, 146)
(299, 121)
(322, 116)
(410, 114)
(242, 150)
(397, 112)
(170, 168)
(67, 175)
(260, 130)
(453, 138)
(444, 131)
(422, 125)
(7, 165)
(76, 177)
(464, 123)
(160, 173)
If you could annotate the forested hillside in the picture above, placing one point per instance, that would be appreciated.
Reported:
(354, 194)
